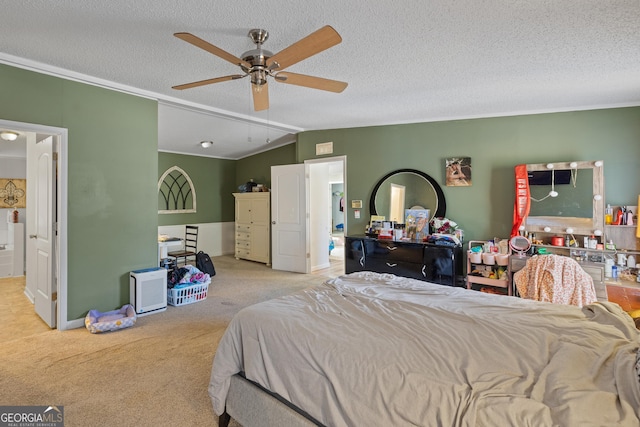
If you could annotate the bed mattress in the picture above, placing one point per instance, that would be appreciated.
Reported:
(375, 349)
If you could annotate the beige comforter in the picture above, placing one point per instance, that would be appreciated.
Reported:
(369, 349)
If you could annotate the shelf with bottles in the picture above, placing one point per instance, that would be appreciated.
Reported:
(488, 265)
(621, 215)
(578, 253)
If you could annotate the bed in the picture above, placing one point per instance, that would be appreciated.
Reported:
(369, 349)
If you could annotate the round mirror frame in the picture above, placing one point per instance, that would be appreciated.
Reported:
(442, 204)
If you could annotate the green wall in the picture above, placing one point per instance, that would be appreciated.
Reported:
(495, 145)
(214, 183)
(258, 166)
(114, 167)
(112, 179)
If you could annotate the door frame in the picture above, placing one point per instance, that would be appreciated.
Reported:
(342, 159)
(60, 247)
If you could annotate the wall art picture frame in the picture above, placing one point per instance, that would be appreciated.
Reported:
(458, 172)
(13, 193)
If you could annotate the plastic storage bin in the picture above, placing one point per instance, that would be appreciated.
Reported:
(188, 294)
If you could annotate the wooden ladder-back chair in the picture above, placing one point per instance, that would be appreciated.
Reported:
(190, 246)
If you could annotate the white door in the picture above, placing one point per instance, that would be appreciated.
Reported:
(289, 230)
(41, 161)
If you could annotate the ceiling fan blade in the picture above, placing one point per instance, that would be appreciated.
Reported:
(314, 43)
(310, 81)
(260, 96)
(198, 42)
(209, 81)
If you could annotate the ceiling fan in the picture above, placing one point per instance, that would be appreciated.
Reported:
(259, 63)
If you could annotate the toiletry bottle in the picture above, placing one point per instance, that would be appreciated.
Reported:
(619, 215)
(608, 265)
(15, 216)
(608, 215)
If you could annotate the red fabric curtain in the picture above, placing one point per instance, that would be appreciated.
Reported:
(523, 200)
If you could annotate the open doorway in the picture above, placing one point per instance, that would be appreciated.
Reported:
(52, 280)
(327, 196)
(336, 246)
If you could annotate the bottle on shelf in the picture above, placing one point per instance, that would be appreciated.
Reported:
(608, 215)
(620, 216)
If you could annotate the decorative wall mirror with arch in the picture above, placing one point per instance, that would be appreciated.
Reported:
(566, 198)
(176, 193)
(404, 189)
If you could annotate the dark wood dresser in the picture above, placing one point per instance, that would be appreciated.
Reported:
(423, 261)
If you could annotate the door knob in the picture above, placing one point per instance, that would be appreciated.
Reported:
(33, 236)
(273, 222)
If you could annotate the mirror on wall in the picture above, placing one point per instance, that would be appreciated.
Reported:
(404, 189)
(566, 197)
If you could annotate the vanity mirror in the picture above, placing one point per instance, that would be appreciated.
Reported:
(566, 198)
(403, 189)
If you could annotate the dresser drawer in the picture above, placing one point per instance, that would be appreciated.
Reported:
(241, 235)
(243, 228)
(399, 268)
(242, 253)
(243, 244)
(393, 252)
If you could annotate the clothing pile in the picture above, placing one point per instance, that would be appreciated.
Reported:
(186, 276)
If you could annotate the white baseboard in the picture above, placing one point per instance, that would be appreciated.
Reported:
(73, 324)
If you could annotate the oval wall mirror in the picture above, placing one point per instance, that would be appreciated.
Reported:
(405, 189)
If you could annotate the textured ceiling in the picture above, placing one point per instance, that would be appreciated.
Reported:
(405, 61)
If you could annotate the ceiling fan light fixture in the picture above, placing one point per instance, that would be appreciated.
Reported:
(8, 135)
(259, 77)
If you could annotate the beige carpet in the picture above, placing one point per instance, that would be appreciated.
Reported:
(153, 374)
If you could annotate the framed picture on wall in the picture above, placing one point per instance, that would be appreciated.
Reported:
(458, 171)
(13, 193)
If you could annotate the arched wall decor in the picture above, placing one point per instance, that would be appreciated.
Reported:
(176, 193)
